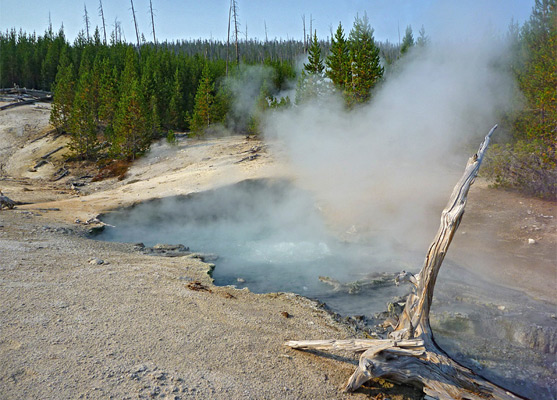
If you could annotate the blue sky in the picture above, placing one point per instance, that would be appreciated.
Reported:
(205, 19)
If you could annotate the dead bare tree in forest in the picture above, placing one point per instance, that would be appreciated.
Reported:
(236, 29)
(228, 37)
(410, 355)
(86, 20)
(101, 14)
(136, 29)
(117, 31)
(305, 38)
(152, 20)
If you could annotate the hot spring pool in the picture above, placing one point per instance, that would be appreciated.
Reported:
(269, 236)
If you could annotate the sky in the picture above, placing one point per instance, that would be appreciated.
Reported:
(183, 19)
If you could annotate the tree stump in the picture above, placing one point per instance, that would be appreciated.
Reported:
(410, 354)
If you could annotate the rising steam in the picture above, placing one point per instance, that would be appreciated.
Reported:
(388, 167)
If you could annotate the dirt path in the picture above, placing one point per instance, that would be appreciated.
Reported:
(139, 326)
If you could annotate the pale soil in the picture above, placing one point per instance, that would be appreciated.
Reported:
(131, 327)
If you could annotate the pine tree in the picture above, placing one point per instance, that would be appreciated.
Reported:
(338, 61)
(202, 116)
(423, 39)
(132, 134)
(176, 107)
(538, 79)
(63, 94)
(365, 66)
(131, 130)
(82, 122)
(108, 96)
(407, 41)
(49, 67)
(311, 84)
(314, 65)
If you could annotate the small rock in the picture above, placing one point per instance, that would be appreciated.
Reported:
(531, 241)
(140, 368)
(96, 261)
(285, 314)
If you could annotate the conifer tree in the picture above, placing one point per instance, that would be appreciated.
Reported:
(365, 66)
(132, 135)
(407, 41)
(538, 81)
(108, 96)
(202, 116)
(423, 38)
(176, 106)
(63, 94)
(338, 61)
(311, 83)
(314, 65)
(49, 67)
(131, 130)
(82, 123)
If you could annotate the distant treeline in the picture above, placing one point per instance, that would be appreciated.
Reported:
(114, 99)
(31, 60)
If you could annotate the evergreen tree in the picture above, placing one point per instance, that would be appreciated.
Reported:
(314, 65)
(108, 96)
(423, 38)
(49, 67)
(202, 116)
(537, 79)
(338, 61)
(311, 83)
(529, 161)
(407, 41)
(82, 122)
(365, 66)
(63, 94)
(132, 135)
(176, 107)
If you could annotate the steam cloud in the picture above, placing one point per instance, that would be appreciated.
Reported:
(389, 167)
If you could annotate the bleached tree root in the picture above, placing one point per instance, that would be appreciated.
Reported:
(410, 355)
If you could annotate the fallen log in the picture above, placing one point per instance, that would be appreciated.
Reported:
(24, 102)
(410, 355)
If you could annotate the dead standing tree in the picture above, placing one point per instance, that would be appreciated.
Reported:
(410, 354)
(136, 29)
(101, 14)
(152, 20)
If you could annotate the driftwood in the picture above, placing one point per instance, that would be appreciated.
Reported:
(25, 96)
(372, 281)
(5, 201)
(24, 102)
(410, 355)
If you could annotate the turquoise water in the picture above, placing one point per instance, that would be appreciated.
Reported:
(269, 237)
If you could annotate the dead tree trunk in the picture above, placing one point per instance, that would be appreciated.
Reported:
(152, 20)
(101, 14)
(136, 29)
(410, 355)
